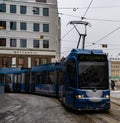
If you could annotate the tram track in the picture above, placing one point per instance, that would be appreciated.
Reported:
(115, 101)
(31, 108)
(111, 116)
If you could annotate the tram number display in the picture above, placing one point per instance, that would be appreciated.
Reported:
(92, 57)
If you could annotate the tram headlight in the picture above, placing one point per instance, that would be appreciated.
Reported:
(79, 96)
(107, 96)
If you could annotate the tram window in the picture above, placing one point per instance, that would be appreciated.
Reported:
(43, 77)
(62, 77)
(22, 78)
(51, 78)
(7, 79)
(1, 78)
(71, 73)
(37, 78)
(17, 78)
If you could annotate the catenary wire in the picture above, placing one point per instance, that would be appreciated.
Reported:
(81, 18)
(87, 8)
(94, 19)
(108, 34)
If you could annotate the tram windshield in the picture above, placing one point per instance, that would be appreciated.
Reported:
(93, 75)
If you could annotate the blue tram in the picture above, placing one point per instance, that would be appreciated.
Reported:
(80, 81)
(44, 79)
(15, 79)
(1, 83)
(84, 80)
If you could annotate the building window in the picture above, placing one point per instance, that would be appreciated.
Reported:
(45, 27)
(21, 62)
(13, 62)
(13, 25)
(35, 43)
(13, 42)
(44, 60)
(23, 42)
(2, 24)
(45, 11)
(22, 9)
(12, 8)
(3, 7)
(5, 62)
(45, 43)
(36, 61)
(36, 27)
(23, 26)
(44, 1)
(36, 10)
(2, 42)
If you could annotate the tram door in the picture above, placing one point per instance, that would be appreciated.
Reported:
(7, 83)
(33, 83)
(71, 83)
(1, 83)
(27, 81)
(17, 83)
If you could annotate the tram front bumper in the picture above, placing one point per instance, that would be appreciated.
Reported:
(92, 104)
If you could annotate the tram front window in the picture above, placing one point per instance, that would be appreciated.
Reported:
(93, 75)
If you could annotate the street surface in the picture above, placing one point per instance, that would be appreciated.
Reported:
(27, 108)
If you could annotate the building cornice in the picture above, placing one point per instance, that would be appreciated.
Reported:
(27, 52)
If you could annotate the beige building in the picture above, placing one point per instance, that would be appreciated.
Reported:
(29, 32)
(115, 68)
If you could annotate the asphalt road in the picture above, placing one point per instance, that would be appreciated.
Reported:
(27, 108)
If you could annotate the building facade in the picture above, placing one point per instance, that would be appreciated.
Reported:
(115, 68)
(29, 33)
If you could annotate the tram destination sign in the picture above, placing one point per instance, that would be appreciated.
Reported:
(92, 57)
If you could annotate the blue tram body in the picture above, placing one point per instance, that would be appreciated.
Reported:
(15, 79)
(84, 80)
(44, 79)
(1, 86)
(80, 81)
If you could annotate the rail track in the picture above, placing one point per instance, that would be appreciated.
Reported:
(22, 108)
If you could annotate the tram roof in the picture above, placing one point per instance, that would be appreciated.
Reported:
(45, 67)
(87, 51)
(12, 70)
(76, 52)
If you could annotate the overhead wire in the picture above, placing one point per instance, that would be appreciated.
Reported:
(108, 34)
(94, 19)
(81, 18)
(67, 33)
(87, 8)
(95, 7)
(88, 18)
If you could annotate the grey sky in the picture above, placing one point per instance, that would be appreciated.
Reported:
(99, 9)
